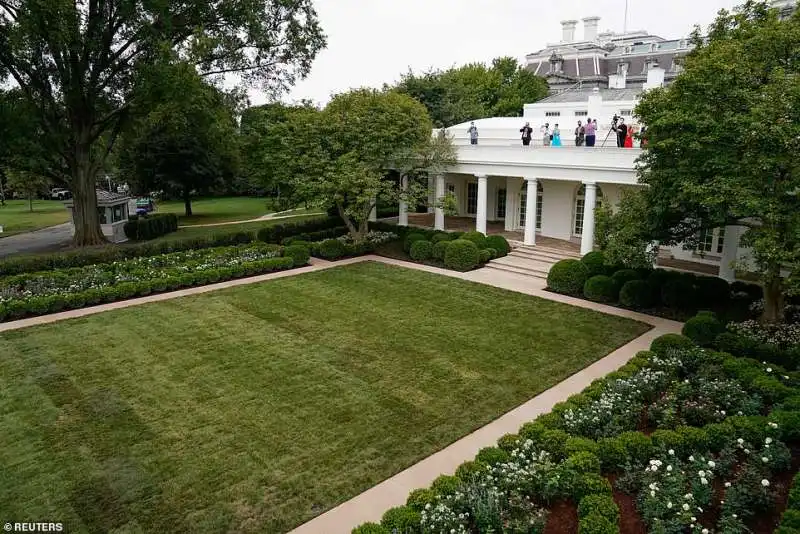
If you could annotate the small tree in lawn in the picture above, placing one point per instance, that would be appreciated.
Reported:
(722, 143)
(28, 183)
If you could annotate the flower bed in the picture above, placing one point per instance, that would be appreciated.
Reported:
(681, 439)
(51, 291)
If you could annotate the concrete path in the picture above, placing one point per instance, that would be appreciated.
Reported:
(371, 504)
(44, 240)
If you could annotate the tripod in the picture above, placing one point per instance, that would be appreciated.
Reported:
(612, 129)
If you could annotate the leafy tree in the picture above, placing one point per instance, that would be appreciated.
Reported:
(76, 63)
(28, 183)
(474, 90)
(723, 143)
(360, 137)
(183, 137)
(621, 233)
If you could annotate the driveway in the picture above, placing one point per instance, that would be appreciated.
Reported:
(45, 240)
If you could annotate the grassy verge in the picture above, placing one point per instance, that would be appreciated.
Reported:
(255, 408)
(16, 217)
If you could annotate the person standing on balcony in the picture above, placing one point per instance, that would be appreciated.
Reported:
(590, 131)
(556, 136)
(546, 135)
(580, 134)
(622, 132)
(473, 133)
(527, 133)
(629, 138)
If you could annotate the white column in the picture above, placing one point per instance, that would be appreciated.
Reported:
(530, 211)
(730, 247)
(438, 222)
(402, 219)
(480, 219)
(373, 215)
(511, 185)
(590, 199)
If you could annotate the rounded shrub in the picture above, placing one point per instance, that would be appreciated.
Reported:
(469, 470)
(493, 252)
(678, 293)
(500, 244)
(508, 442)
(461, 255)
(703, 329)
(370, 528)
(492, 455)
(713, 291)
(720, 435)
(568, 277)
(669, 342)
(410, 238)
(623, 276)
(591, 484)
(456, 235)
(583, 462)
(445, 485)
(440, 236)
(484, 255)
(476, 237)
(421, 250)
(419, 498)
(603, 505)
(401, 518)
(600, 288)
(638, 447)
(299, 254)
(577, 444)
(439, 249)
(611, 453)
(595, 262)
(597, 524)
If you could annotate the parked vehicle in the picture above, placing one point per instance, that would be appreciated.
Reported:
(60, 193)
(145, 205)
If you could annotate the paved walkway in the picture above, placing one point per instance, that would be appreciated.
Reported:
(46, 239)
(371, 504)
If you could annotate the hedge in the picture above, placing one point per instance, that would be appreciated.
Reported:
(703, 329)
(500, 244)
(300, 254)
(600, 288)
(636, 294)
(150, 226)
(439, 250)
(476, 237)
(568, 277)
(485, 255)
(663, 344)
(421, 250)
(410, 238)
(461, 255)
(623, 276)
(277, 232)
(595, 263)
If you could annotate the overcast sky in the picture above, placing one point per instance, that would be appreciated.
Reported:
(373, 41)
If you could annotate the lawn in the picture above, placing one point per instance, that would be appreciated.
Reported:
(218, 210)
(16, 217)
(255, 408)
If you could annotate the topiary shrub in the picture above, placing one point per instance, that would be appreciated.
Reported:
(370, 528)
(669, 342)
(591, 484)
(583, 462)
(499, 243)
(713, 291)
(636, 294)
(638, 447)
(623, 276)
(600, 288)
(439, 250)
(300, 254)
(492, 456)
(703, 329)
(445, 485)
(421, 250)
(461, 255)
(509, 442)
(476, 237)
(595, 263)
(419, 498)
(603, 505)
(410, 238)
(612, 453)
(440, 236)
(401, 518)
(484, 255)
(468, 470)
(568, 277)
(597, 524)
(331, 249)
(577, 444)
(678, 294)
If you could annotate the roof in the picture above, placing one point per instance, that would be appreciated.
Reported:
(107, 197)
(582, 95)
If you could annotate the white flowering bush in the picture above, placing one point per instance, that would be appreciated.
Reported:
(373, 238)
(698, 401)
(784, 335)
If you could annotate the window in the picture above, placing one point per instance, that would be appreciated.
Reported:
(626, 113)
(501, 204)
(711, 241)
(622, 68)
(552, 113)
(116, 214)
(580, 208)
(472, 198)
(523, 205)
(101, 213)
(451, 188)
(581, 113)
(539, 198)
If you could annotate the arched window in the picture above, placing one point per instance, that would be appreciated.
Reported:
(523, 204)
(580, 207)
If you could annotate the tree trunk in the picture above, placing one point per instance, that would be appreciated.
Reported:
(30, 202)
(84, 195)
(773, 299)
(187, 202)
(350, 226)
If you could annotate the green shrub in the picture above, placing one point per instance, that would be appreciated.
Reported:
(445, 485)
(402, 518)
(370, 528)
(719, 435)
(332, 249)
(499, 243)
(693, 439)
(461, 255)
(703, 329)
(151, 226)
(770, 388)
(409, 240)
(576, 444)
(678, 294)
(554, 442)
(439, 250)
(492, 456)
(662, 345)
(603, 505)
(299, 254)
(597, 524)
(440, 237)
(476, 237)
(612, 454)
(791, 519)
(533, 431)
(713, 291)
(600, 288)
(467, 471)
(624, 276)
(420, 497)
(637, 446)
(456, 235)
(492, 253)
(484, 255)
(788, 424)
(751, 428)
(590, 484)
(794, 493)
(595, 263)
(421, 250)
(583, 462)
(567, 277)
(509, 442)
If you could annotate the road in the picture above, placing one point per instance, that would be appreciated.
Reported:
(45, 240)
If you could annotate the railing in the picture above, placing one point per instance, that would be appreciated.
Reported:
(600, 144)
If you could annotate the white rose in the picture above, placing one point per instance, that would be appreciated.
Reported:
(765, 483)
(711, 464)
(768, 441)
(669, 504)
(671, 452)
(764, 459)
(727, 484)
(686, 507)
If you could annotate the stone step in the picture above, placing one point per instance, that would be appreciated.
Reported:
(559, 253)
(534, 254)
(525, 264)
(515, 270)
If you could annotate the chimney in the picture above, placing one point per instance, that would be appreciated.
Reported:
(590, 25)
(568, 31)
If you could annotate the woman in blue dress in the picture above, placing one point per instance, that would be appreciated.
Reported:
(556, 136)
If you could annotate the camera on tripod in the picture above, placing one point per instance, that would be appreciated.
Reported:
(614, 121)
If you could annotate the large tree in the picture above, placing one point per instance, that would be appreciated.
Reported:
(474, 91)
(183, 136)
(76, 62)
(723, 141)
(357, 141)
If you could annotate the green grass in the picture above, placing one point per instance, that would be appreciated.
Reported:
(255, 408)
(16, 217)
(218, 210)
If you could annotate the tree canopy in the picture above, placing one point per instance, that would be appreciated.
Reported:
(77, 63)
(722, 142)
(474, 91)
